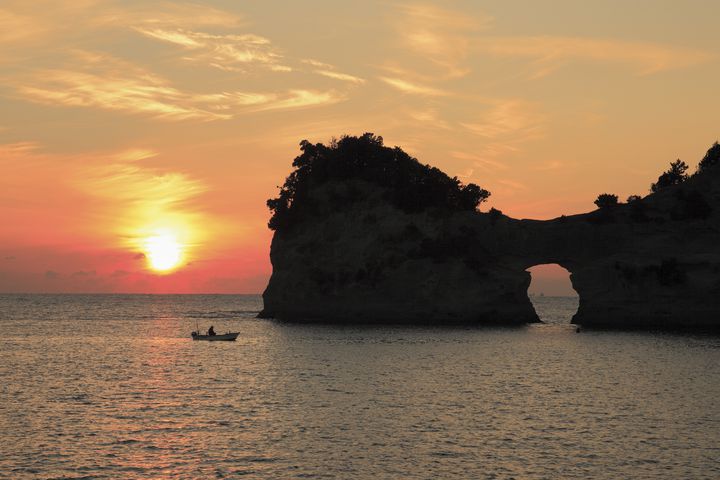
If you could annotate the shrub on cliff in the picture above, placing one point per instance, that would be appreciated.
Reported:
(712, 157)
(673, 176)
(407, 184)
(606, 200)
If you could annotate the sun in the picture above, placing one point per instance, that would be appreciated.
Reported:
(163, 251)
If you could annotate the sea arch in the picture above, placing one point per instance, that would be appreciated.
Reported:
(551, 293)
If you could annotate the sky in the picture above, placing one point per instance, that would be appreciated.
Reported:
(139, 140)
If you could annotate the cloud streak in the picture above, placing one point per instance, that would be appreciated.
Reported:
(343, 77)
(548, 53)
(442, 36)
(327, 70)
(14, 27)
(448, 39)
(227, 52)
(169, 14)
(512, 117)
(107, 83)
(238, 53)
(407, 86)
(247, 102)
(146, 95)
(481, 162)
(130, 184)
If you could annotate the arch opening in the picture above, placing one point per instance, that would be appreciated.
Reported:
(551, 293)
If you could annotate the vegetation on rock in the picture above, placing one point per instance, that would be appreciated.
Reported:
(690, 202)
(673, 176)
(606, 200)
(406, 183)
(711, 158)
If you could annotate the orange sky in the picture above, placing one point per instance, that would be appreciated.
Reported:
(123, 121)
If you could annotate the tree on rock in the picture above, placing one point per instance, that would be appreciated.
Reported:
(712, 157)
(350, 162)
(606, 200)
(674, 176)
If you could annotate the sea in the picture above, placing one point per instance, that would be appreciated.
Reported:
(113, 387)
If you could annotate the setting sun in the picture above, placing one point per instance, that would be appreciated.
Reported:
(163, 252)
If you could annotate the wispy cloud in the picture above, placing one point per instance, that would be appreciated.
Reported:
(146, 94)
(448, 38)
(247, 102)
(502, 128)
(513, 117)
(327, 70)
(135, 155)
(117, 176)
(53, 25)
(317, 64)
(512, 184)
(108, 83)
(226, 52)
(14, 27)
(177, 37)
(485, 163)
(345, 77)
(130, 184)
(235, 52)
(429, 117)
(295, 99)
(406, 86)
(550, 165)
(17, 150)
(442, 36)
(167, 14)
(548, 53)
(202, 35)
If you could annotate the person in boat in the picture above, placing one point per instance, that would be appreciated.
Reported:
(211, 331)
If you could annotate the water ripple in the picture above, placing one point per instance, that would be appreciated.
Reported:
(113, 387)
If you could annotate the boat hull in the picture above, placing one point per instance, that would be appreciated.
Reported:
(226, 337)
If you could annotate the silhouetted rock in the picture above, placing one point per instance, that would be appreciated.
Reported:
(351, 248)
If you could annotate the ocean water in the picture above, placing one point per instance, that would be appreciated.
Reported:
(111, 386)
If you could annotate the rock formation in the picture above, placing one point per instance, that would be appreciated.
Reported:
(364, 233)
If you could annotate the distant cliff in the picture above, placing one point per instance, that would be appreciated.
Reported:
(365, 233)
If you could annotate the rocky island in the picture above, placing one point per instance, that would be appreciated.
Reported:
(366, 233)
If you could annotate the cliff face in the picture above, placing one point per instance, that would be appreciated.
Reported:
(376, 263)
(344, 250)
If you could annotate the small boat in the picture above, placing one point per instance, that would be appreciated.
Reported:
(227, 337)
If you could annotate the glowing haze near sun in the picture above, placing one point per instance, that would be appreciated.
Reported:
(139, 140)
(163, 252)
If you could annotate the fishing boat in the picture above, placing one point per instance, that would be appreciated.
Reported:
(226, 337)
